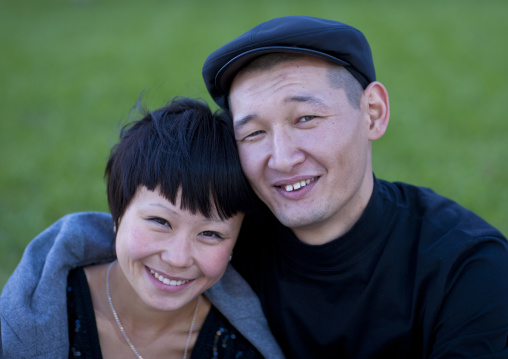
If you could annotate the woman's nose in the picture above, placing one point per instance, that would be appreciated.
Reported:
(177, 251)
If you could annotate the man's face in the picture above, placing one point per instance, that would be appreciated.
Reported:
(304, 148)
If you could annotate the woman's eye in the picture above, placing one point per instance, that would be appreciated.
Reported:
(211, 235)
(160, 221)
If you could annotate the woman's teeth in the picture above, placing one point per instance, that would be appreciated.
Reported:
(168, 281)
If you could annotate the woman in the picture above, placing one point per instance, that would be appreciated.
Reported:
(144, 284)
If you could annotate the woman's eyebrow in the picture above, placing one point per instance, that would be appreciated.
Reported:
(161, 206)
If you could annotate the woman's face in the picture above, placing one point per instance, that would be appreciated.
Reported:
(169, 255)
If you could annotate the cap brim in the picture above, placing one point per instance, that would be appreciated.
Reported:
(227, 72)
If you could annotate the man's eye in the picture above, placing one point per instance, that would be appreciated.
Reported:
(253, 134)
(306, 118)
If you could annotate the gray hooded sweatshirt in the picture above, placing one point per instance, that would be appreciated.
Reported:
(33, 303)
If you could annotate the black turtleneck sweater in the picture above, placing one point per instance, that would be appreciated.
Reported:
(418, 276)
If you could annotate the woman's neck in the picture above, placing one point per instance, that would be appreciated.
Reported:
(150, 330)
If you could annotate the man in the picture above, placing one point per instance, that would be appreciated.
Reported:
(348, 266)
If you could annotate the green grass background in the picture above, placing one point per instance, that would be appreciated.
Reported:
(71, 70)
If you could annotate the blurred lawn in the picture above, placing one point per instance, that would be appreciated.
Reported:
(71, 70)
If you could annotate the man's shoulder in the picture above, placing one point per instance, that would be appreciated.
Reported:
(438, 221)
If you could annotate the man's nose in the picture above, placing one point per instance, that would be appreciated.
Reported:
(285, 153)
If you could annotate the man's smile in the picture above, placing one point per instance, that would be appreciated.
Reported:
(297, 185)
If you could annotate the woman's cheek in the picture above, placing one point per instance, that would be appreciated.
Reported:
(134, 243)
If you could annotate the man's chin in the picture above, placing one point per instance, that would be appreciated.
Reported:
(295, 221)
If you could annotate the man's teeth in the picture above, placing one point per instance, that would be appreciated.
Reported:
(297, 185)
(166, 280)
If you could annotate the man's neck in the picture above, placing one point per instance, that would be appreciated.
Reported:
(325, 231)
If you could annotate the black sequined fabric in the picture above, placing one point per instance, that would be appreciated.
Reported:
(217, 338)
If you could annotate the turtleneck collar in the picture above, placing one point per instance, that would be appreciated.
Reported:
(366, 236)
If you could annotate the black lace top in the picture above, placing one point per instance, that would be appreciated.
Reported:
(217, 338)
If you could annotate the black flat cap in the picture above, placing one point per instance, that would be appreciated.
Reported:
(333, 40)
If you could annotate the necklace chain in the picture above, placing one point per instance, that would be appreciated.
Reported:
(120, 326)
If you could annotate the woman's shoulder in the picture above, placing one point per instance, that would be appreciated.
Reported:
(239, 306)
(218, 338)
(82, 328)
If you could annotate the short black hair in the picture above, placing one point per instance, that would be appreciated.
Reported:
(339, 77)
(181, 146)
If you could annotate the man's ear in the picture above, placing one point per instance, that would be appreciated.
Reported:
(378, 109)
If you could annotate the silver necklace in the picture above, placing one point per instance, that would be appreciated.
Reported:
(123, 330)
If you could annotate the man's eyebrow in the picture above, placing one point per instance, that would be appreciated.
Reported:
(312, 100)
(243, 121)
(308, 99)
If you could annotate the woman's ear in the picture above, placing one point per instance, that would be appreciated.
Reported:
(116, 225)
(378, 108)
